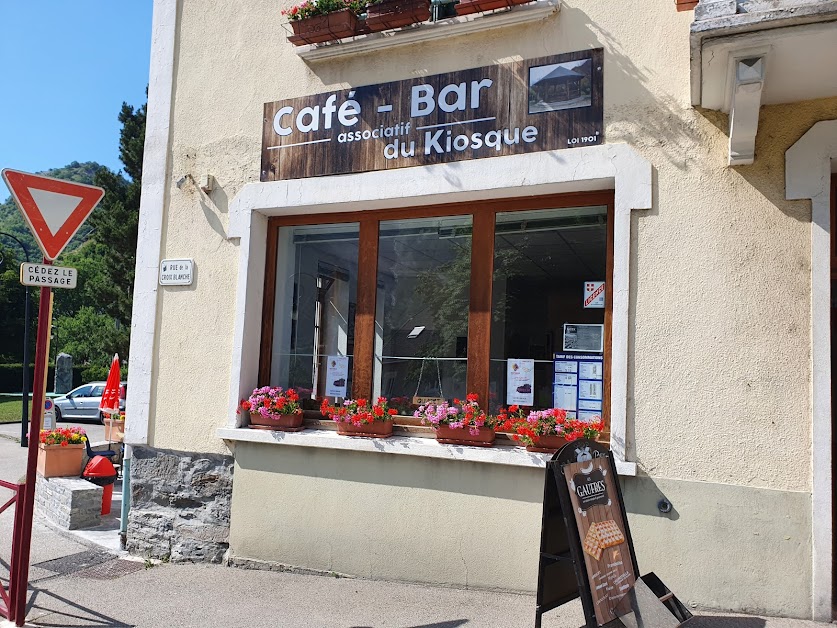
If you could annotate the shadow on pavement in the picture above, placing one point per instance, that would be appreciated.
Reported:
(43, 615)
(454, 623)
(725, 622)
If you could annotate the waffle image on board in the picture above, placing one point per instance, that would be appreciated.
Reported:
(608, 533)
(591, 543)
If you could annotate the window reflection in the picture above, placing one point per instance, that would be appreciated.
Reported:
(316, 285)
(421, 320)
(542, 258)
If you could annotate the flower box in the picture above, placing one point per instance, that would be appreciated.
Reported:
(277, 422)
(359, 417)
(547, 443)
(462, 436)
(685, 5)
(466, 7)
(396, 14)
(322, 28)
(377, 429)
(57, 461)
(114, 430)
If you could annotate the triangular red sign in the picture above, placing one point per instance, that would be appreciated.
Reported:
(54, 209)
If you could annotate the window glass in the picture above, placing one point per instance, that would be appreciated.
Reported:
(84, 391)
(97, 391)
(314, 314)
(421, 319)
(543, 259)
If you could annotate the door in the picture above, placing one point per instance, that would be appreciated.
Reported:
(93, 401)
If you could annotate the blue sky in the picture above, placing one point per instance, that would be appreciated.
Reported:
(67, 66)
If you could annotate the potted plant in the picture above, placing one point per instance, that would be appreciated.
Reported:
(547, 431)
(115, 428)
(384, 14)
(60, 452)
(460, 423)
(272, 408)
(357, 417)
(464, 7)
(318, 21)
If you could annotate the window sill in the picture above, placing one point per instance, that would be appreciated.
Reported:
(428, 31)
(402, 445)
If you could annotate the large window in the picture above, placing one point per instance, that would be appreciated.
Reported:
(436, 302)
(314, 305)
(421, 316)
(543, 260)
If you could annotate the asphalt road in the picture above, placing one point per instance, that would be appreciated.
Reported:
(95, 431)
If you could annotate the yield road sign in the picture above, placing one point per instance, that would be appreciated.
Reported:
(54, 209)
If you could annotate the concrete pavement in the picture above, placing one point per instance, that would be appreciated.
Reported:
(76, 583)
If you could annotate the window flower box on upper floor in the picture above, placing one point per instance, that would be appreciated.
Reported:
(478, 20)
(390, 14)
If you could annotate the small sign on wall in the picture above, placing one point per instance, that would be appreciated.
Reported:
(594, 294)
(176, 272)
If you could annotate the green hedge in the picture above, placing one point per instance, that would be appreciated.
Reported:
(11, 377)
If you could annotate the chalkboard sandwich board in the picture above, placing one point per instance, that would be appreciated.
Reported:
(587, 550)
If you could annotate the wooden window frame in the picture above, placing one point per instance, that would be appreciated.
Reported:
(483, 214)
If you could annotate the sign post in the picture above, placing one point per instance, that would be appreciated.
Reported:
(587, 550)
(54, 210)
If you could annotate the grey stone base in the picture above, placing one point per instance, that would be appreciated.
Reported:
(180, 505)
(69, 503)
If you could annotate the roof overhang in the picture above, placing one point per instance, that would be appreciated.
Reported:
(741, 61)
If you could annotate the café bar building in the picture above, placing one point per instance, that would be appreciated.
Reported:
(640, 191)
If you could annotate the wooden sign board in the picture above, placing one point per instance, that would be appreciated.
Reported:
(587, 550)
(602, 531)
(596, 561)
(540, 104)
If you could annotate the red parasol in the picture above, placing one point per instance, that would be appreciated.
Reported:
(110, 396)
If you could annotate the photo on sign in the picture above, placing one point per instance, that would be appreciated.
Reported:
(560, 86)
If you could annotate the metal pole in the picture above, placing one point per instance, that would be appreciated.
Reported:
(38, 394)
(24, 410)
(24, 439)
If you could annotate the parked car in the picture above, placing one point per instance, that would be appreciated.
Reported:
(83, 402)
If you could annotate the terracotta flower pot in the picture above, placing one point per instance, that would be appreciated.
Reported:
(396, 13)
(57, 461)
(114, 430)
(462, 436)
(547, 444)
(322, 28)
(378, 429)
(685, 5)
(278, 422)
(476, 6)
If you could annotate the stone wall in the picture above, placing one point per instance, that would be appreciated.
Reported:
(70, 503)
(180, 505)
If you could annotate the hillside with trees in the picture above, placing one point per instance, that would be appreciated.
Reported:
(93, 321)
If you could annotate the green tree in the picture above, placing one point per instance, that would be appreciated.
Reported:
(115, 222)
(11, 305)
(91, 337)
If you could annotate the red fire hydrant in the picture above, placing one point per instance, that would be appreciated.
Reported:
(101, 472)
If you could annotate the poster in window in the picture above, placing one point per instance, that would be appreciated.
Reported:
(564, 398)
(590, 389)
(337, 373)
(583, 338)
(520, 382)
(590, 370)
